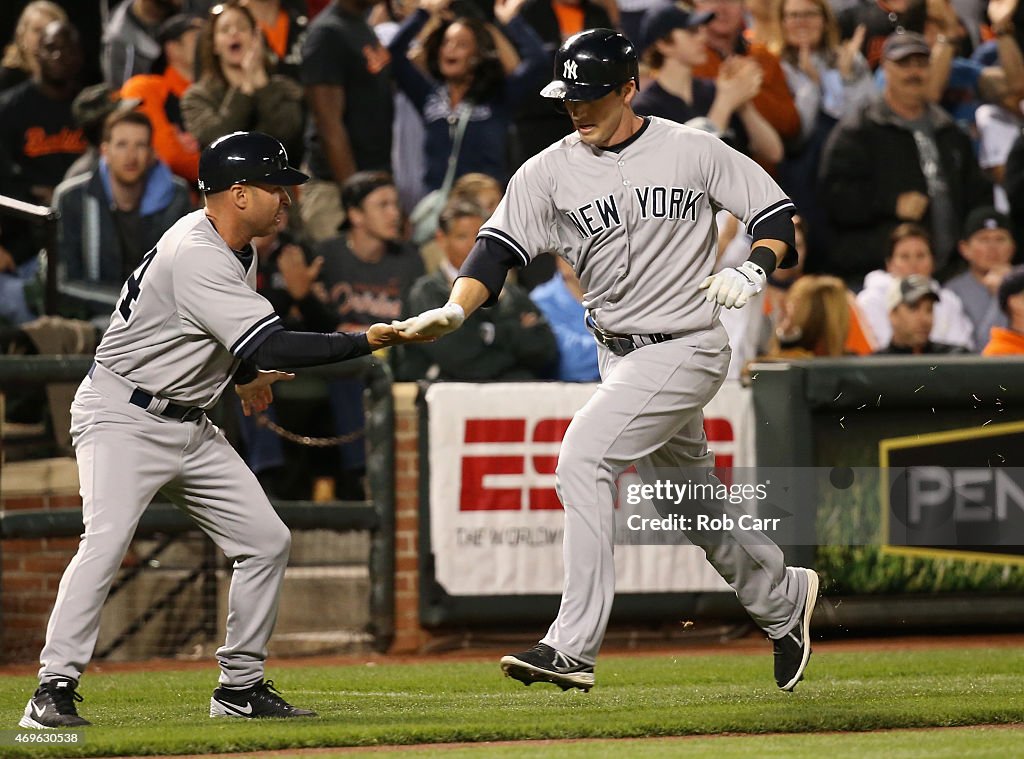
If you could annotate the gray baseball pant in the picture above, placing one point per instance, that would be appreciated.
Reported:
(127, 455)
(648, 412)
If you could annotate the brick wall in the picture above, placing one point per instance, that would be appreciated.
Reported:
(409, 636)
(30, 570)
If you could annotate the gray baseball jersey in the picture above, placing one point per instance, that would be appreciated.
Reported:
(185, 316)
(638, 225)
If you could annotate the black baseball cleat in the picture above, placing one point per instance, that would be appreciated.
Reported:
(793, 650)
(543, 664)
(53, 705)
(258, 702)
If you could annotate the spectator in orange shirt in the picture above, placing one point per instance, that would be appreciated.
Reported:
(161, 95)
(1009, 341)
(725, 38)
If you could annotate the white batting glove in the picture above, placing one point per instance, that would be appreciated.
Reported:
(732, 288)
(433, 323)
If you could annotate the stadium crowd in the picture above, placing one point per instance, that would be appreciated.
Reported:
(896, 126)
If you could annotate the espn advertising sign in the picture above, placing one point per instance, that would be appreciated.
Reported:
(946, 494)
(495, 519)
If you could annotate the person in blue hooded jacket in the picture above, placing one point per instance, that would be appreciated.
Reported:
(111, 216)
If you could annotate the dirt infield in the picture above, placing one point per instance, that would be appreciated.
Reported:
(527, 746)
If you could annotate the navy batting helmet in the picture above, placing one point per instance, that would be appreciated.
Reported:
(591, 64)
(242, 157)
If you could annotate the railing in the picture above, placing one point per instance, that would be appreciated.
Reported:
(376, 516)
(47, 217)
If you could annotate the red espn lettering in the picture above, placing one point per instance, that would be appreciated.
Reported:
(475, 495)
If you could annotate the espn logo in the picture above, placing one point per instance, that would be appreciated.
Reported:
(509, 464)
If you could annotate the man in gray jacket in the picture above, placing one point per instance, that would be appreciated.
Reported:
(111, 216)
(130, 42)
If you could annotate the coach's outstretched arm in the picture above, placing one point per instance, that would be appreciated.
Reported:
(479, 282)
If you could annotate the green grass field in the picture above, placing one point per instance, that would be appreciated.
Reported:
(635, 697)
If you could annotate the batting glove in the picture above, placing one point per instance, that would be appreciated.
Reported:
(732, 288)
(433, 323)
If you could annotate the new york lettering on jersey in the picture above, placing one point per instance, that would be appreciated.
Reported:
(654, 202)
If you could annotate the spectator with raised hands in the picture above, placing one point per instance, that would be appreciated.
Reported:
(236, 91)
(674, 41)
(726, 39)
(466, 73)
(828, 78)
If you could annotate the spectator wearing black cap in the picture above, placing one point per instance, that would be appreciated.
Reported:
(673, 41)
(899, 159)
(911, 304)
(90, 109)
(236, 90)
(130, 44)
(988, 247)
(1009, 340)
(111, 216)
(161, 93)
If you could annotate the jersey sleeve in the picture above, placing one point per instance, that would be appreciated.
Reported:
(525, 221)
(213, 299)
(740, 186)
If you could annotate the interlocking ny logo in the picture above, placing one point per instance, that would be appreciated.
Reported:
(569, 70)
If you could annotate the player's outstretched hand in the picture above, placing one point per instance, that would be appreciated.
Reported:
(385, 335)
(433, 323)
(257, 395)
(733, 287)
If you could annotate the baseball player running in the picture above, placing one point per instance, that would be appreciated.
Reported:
(188, 323)
(630, 202)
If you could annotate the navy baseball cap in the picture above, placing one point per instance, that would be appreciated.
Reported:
(242, 157)
(984, 217)
(659, 21)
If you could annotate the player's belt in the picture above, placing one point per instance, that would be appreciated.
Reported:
(620, 344)
(147, 402)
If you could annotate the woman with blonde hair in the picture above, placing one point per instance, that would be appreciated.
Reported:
(236, 91)
(19, 59)
(816, 319)
(824, 75)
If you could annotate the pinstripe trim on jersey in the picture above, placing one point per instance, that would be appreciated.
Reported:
(263, 327)
(782, 205)
(507, 241)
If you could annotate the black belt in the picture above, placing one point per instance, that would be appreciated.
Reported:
(175, 411)
(621, 345)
